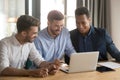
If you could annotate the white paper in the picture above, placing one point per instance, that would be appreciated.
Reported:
(112, 65)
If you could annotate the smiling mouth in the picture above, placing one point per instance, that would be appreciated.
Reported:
(58, 31)
(81, 29)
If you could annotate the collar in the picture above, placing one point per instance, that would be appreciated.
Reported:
(15, 41)
(48, 35)
(91, 31)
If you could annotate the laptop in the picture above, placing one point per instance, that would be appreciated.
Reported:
(81, 62)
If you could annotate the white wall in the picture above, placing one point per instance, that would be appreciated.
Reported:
(3, 25)
(10, 9)
(115, 22)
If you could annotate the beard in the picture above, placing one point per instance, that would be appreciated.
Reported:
(55, 32)
(28, 39)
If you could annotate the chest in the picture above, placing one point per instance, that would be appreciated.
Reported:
(18, 54)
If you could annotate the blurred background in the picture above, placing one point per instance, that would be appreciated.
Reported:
(104, 14)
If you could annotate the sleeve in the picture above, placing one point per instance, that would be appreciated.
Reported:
(111, 48)
(4, 60)
(69, 47)
(35, 56)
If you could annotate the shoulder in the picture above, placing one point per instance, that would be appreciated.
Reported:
(6, 40)
(41, 32)
(30, 45)
(98, 33)
(74, 32)
(65, 29)
(100, 30)
(64, 32)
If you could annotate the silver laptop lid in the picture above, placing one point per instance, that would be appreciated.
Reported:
(85, 61)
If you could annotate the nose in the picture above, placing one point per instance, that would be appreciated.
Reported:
(35, 35)
(80, 25)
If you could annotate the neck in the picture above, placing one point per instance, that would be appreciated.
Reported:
(20, 39)
(84, 34)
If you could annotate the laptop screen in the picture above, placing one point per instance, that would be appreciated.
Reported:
(81, 62)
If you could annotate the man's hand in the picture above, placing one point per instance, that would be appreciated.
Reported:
(52, 67)
(42, 72)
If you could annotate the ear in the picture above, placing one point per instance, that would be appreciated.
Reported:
(89, 19)
(24, 33)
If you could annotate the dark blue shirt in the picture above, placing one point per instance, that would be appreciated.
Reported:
(85, 42)
(96, 40)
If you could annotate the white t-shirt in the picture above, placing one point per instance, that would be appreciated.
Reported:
(13, 54)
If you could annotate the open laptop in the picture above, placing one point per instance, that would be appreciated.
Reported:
(81, 62)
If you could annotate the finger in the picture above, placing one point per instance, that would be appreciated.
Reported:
(45, 70)
(57, 62)
(53, 72)
(44, 74)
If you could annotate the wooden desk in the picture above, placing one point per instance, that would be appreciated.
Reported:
(113, 75)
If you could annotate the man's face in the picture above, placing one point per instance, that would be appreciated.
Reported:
(55, 27)
(31, 34)
(83, 24)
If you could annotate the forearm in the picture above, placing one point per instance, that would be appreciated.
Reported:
(22, 72)
(9, 71)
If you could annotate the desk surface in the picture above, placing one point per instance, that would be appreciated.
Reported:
(113, 75)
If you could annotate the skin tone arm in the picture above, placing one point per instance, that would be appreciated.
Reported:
(45, 68)
(9, 71)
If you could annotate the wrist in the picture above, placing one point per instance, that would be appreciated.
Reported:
(28, 73)
(44, 64)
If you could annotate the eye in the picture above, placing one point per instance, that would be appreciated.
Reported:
(83, 23)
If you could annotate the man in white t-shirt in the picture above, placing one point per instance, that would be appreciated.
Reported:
(16, 49)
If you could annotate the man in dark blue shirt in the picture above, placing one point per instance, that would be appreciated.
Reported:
(88, 38)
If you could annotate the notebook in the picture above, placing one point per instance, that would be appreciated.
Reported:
(81, 62)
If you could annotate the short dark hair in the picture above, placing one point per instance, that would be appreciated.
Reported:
(24, 22)
(82, 11)
(55, 15)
